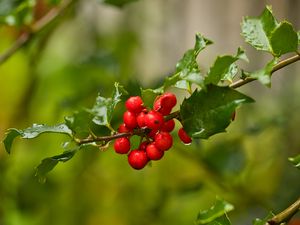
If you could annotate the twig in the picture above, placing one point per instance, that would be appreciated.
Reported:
(101, 138)
(34, 29)
(278, 66)
(286, 214)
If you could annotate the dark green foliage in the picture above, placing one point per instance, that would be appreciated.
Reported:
(48, 164)
(224, 68)
(208, 112)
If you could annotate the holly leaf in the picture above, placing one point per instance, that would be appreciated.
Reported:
(207, 112)
(296, 161)
(224, 67)
(187, 69)
(263, 75)
(216, 214)
(118, 3)
(266, 34)
(103, 108)
(284, 39)
(257, 30)
(33, 132)
(49, 163)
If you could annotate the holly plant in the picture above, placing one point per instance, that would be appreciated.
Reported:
(209, 108)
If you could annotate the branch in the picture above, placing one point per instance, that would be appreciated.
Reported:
(141, 132)
(36, 28)
(278, 66)
(286, 214)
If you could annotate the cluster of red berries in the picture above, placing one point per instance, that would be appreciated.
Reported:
(156, 138)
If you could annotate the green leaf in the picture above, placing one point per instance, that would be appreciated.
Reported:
(215, 215)
(265, 33)
(284, 39)
(263, 221)
(119, 3)
(33, 132)
(48, 164)
(224, 67)
(296, 161)
(187, 69)
(264, 74)
(207, 112)
(298, 33)
(257, 30)
(104, 107)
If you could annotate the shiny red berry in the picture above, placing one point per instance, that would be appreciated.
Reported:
(158, 107)
(134, 104)
(168, 126)
(122, 145)
(141, 119)
(168, 100)
(123, 128)
(184, 137)
(129, 119)
(137, 159)
(153, 152)
(154, 120)
(165, 103)
(163, 141)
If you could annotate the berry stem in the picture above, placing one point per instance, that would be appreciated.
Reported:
(141, 132)
(101, 138)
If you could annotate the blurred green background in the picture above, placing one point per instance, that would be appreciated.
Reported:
(92, 46)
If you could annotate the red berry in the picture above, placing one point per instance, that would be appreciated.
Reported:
(122, 145)
(123, 128)
(143, 145)
(141, 119)
(129, 119)
(158, 107)
(137, 159)
(184, 137)
(168, 100)
(153, 152)
(154, 120)
(168, 126)
(163, 140)
(134, 104)
(165, 103)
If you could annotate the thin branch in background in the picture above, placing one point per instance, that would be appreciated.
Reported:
(35, 28)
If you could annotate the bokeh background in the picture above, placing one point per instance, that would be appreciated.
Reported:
(94, 45)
